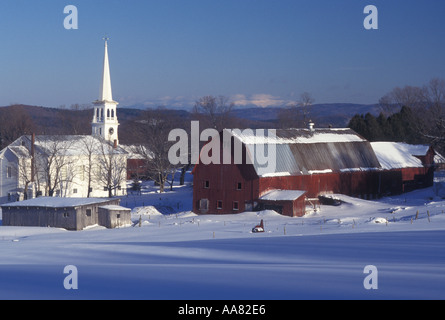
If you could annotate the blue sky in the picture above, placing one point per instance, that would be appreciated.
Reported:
(174, 51)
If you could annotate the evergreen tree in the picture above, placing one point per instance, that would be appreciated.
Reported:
(357, 123)
(385, 127)
(373, 129)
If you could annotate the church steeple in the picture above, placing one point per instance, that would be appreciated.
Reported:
(105, 92)
(105, 122)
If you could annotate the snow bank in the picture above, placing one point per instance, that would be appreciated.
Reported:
(148, 210)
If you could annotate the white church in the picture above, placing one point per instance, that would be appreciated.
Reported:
(69, 165)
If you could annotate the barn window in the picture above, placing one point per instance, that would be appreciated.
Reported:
(74, 190)
(239, 186)
(88, 212)
(207, 184)
(118, 215)
(204, 204)
(235, 205)
(219, 204)
(66, 214)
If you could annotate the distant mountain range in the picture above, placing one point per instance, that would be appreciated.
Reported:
(50, 120)
(335, 114)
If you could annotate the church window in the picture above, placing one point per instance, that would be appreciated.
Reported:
(108, 113)
(9, 172)
(112, 114)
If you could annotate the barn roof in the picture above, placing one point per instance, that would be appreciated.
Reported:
(305, 151)
(57, 202)
(282, 195)
(396, 155)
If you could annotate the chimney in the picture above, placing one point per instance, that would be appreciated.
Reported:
(33, 142)
(115, 144)
(311, 125)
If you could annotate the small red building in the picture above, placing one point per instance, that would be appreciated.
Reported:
(405, 167)
(257, 168)
(285, 202)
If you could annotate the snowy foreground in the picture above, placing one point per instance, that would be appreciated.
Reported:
(185, 256)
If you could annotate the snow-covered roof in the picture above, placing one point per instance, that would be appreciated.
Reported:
(282, 195)
(56, 202)
(114, 207)
(289, 152)
(20, 151)
(69, 145)
(137, 151)
(396, 155)
(291, 136)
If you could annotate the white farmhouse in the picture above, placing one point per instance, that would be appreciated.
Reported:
(68, 165)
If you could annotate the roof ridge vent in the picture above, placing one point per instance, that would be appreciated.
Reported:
(311, 125)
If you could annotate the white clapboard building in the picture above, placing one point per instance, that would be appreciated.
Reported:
(68, 165)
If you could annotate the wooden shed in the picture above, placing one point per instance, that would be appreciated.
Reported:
(286, 202)
(67, 213)
(114, 216)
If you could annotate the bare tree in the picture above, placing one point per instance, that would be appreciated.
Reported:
(54, 165)
(408, 96)
(214, 110)
(153, 129)
(296, 114)
(14, 122)
(432, 119)
(427, 105)
(24, 173)
(90, 148)
(111, 167)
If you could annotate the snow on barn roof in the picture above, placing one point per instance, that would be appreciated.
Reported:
(56, 202)
(306, 151)
(282, 195)
(292, 136)
(396, 155)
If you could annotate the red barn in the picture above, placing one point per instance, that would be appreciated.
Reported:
(256, 170)
(405, 167)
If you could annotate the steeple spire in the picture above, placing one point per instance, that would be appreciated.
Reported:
(105, 123)
(106, 93)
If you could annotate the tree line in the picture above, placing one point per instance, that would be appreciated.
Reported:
(414, 115)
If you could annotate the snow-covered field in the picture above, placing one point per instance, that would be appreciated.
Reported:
(180, 255)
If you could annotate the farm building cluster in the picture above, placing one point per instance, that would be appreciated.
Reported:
(308, 164)
(283, 171)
